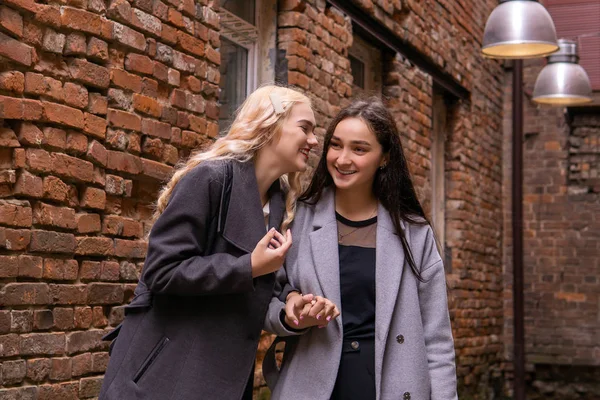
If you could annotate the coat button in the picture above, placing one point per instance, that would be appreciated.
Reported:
(406, 395)
(354, 345)
(400, 339)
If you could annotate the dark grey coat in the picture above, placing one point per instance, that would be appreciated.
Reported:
(192, 330)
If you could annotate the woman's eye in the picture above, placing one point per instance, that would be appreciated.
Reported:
(304, 129)
(335, 145)
(360, 150)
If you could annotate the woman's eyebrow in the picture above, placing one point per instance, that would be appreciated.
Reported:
(307, 122)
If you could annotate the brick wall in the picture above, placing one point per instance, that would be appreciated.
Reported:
(98, 100)
(561, 229)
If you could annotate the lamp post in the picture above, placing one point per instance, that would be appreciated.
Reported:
(518, 29)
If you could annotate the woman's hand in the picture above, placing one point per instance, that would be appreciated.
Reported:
(269, 253)
(304, 311)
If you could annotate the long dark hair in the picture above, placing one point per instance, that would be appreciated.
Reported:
(393, 185)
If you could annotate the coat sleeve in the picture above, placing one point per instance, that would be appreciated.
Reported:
(177, 262)
(283, 283)
(439, 343)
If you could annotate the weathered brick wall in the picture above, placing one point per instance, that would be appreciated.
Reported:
(561, 231)
(98, 100)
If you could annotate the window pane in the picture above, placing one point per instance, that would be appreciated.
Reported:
(358, 71)
(242, 8)
(234, 69)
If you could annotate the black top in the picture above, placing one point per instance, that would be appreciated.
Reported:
(357, 276)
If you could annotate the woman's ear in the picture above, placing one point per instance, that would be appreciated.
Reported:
(384, 160)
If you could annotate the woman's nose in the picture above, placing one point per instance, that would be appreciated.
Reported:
(312, 140)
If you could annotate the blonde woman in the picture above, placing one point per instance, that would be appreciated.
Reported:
(192, 329)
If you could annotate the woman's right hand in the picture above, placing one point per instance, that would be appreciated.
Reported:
(269, 253)
(304, 311)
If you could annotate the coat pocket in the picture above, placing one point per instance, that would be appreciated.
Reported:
(150, 359)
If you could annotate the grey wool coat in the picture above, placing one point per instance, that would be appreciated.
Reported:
(414, 349)
(192, 330)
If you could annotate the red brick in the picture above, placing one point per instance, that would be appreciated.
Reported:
(52, 242)
(62, 115)
(97, 49)
(97, 246)
(133, 143)
(130, 248)
(88, 223)
(150, 87)
(99, 319)
(60, 369)
(38, 369)
(213, 56)
(75, 44)
(174, 78)
(212, 129)
(128, 37)
(11, 108)
(93, 198)
(13, 372)
(42, 344)
(55, 138)
(175, 17)
(15, 50)
(9, 345)
(195, 103)
(15, 294)
(8, 138)
(76, 143)
(94, 125)
(115, 185)
(21, 322)
(120, 10)
(55, 189)
(209, 17)
(81, 342)
(124, 162)
(160, 72)
(80, 20)
(139, 63)
(75, 95)
(120, 226)
(194, 84)
(42, 320)
(125, 120)
(28, 185)
(39, 160)
(98, 104)
(30, 267)
(170, 154)
(90, 270)
(14, 239)
(15, 213)
(53, 42)
(89, 73)
(32, 110)
(169, 35)
(60, 270)
(105, 293)
(12, 81)
(81, 364)
(110, 271)
(63, 391)
(68, 294)
(99, 361)
(97, 153)
(212, 111)
(183, 119)
(169, 115)
(11, 20)
(52, 216)
(198, 124)
(146, 105)
(9, 267)
(83, 317)
(72, 167)
(63, 318)
(146, 22)
(190, 44)
(152, 148)
(48, 15)
(34, 83)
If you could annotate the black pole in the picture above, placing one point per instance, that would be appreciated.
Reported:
(517, 231)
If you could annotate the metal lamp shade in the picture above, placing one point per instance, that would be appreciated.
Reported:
(563, 82)
(519, 29)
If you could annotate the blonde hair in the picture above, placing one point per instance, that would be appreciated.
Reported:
(258, 121)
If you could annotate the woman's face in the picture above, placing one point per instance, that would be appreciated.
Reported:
(354, 155)
(296, 139)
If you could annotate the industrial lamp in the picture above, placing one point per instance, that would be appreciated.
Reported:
(563, 81)
(519, 29)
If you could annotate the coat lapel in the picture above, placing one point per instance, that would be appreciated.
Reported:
(245, 223)
(324, 246)
(388, 273)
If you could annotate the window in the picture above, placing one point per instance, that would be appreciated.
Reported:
(365, 64)
(438, 174)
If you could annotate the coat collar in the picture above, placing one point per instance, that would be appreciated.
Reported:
(388, 268)
(245, 222)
